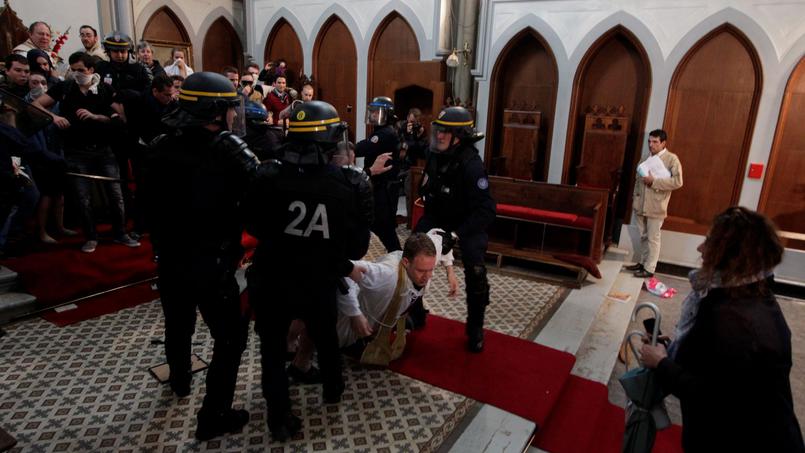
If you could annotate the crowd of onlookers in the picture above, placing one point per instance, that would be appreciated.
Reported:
(104, 107)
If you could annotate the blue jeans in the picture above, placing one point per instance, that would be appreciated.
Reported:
(101, 163)
(22, 209)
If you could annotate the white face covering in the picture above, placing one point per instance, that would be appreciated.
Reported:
(37, 92)
(86, 80)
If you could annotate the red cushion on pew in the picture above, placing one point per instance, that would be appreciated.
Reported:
(537, 215)
(584, 222)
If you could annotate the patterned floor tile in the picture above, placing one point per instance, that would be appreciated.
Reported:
(86, 387)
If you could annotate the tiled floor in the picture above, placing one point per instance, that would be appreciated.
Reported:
(85, 387)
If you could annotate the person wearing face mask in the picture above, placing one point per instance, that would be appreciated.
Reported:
(179, 66)
(88, 126)
(49, 167)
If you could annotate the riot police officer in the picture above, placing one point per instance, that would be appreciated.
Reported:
(199, 175)
(386, 185)
(455, 191)
(122, 72)
(311, 218)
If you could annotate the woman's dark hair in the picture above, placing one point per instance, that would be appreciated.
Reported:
(741, 245)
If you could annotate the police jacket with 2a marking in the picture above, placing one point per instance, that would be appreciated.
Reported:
(456, 192)
(308, 218)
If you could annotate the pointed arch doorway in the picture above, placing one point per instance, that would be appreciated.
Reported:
(164, 31)
(524, 80)
(396, 71)
(222, 47)
(283, 44)
(709, 119)
(335, 69)
(615, 72)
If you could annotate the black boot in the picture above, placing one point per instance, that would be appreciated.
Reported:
(218, 424)
(477, 300)
(332, 392)
(180, 383)
(475, 329)
(284, 427)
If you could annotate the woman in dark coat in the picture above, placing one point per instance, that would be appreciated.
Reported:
(731, 359)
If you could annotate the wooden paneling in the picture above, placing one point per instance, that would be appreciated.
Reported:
(164, 31)
(783, 196)
(709, 119)
(335, 69)
(524, 78)
(614, 72)
(283, 44)
(395, 70)
(222, 47)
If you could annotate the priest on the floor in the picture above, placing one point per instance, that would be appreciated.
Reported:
(373, 312)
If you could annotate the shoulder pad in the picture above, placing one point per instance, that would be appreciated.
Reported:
(158, 141)
(355, 175)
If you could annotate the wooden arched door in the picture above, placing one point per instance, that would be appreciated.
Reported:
(709, 118)
(783, 196)
(521, 111)
(396, 71)
(164, 31)
(222, 47)
(283, 44)
(614, 72)
(335, 69)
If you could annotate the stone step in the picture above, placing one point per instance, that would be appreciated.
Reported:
(15, 304)
(8, 279)
(598, 352)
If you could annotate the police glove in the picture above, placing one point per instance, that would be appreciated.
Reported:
(449, 240)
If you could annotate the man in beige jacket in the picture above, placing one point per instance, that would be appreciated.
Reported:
(650, 203)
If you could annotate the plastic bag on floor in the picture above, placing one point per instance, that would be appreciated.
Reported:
(659, 288)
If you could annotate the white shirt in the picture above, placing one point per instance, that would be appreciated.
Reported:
(173, 69)
(372, 296)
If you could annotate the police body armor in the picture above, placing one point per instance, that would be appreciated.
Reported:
(446, 202)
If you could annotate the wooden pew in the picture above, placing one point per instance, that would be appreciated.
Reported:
(548, 223)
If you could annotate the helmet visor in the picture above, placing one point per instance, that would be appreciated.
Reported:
(441, 137)
(377, 115)
(238, 122)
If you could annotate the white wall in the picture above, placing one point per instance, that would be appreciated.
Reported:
(71, 13)
(667, 30)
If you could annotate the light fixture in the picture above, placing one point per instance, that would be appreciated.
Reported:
(453, 60)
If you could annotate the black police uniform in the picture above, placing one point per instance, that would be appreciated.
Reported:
(311, 218)
(197, 182)
(456, 194)
(197, 186)
(124, 76)
(386, 186)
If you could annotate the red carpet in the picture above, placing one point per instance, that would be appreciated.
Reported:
(584, 421)
(61, 272)
(515, 375)
(104, 304)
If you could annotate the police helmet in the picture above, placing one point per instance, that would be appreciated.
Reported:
(118, 41)
(255, 113)
(457, 121)
(380, 111)
(203, 97)
(316, 122)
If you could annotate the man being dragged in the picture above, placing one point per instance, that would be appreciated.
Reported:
(376, 306)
